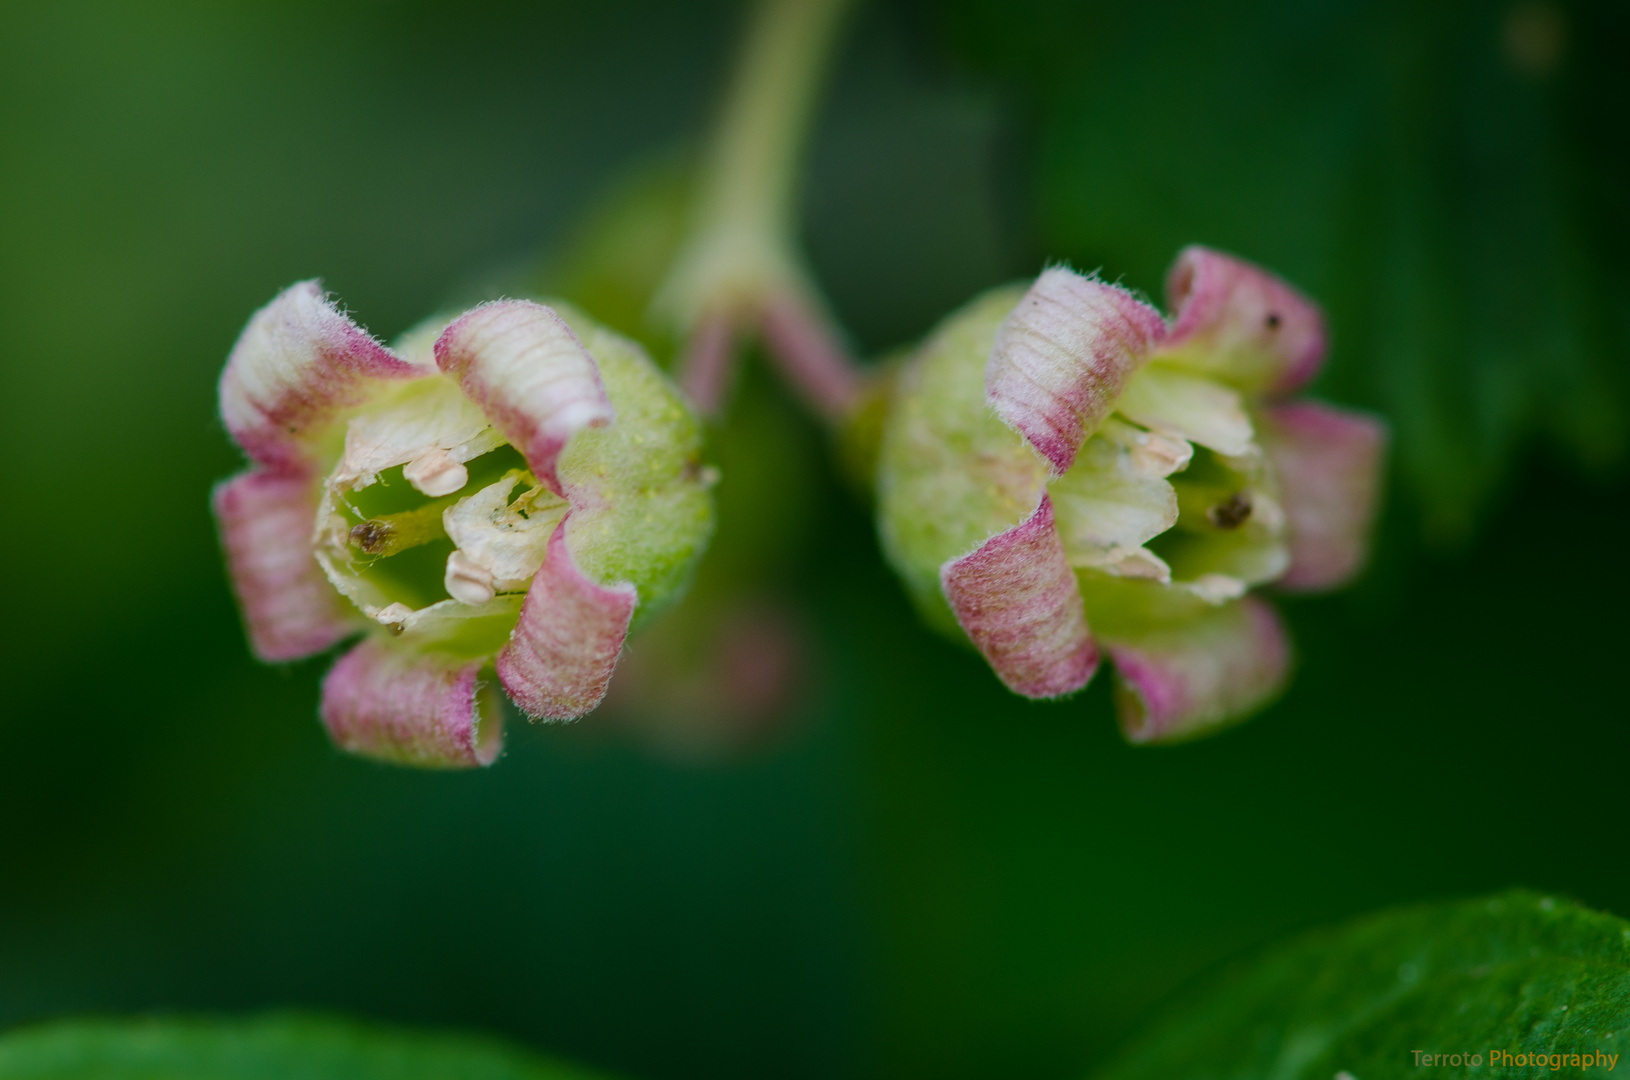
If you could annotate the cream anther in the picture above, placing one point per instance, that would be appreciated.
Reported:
(1161, 455)
(434, 473)
(468, 581)
(1151, 453)
(393, 614)
(1217, 588)
(1140, 564)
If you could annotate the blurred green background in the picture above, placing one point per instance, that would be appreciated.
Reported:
(920, 875)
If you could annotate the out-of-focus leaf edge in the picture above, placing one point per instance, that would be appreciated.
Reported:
(271, 1046)
(1518, 971)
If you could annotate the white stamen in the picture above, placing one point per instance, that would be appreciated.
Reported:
(1217, 588)
(468, 581)
(434, 473)
(1161, 455)
(1140, 564)
(393, 614)
(1152, 453)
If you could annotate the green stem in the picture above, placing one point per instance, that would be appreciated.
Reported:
(750, 184)
(740, 271)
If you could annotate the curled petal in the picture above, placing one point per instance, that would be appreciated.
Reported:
(1235, 320)
(558, 662)
(950, 474)
(389, 701)
(288, 607)
(1018, 601)
(1185, 678)
(530, 374)
(297, 369)
(1328, 463)
(1061, 357)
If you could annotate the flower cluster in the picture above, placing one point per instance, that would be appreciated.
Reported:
(1066, 457)
(504, 494)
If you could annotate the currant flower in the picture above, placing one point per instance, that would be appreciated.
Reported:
(1065, 456)
(497, 501)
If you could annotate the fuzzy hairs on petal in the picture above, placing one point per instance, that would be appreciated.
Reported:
(559, 660)
(1061, 357)
(1186, 678)
(297, 369)
(389, 701)
(1017, 599)
(1235, 320)
(1328, 462)
(289, 609)
(530, 374)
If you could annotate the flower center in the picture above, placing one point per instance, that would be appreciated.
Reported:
(435, 530)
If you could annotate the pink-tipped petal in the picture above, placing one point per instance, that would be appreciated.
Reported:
(296, 370)
(388, 701)
(1243, 323)
(1329, 466)
(1019, 602)
(289, 608)
(530, 374)
(1182, 680)
(1061, 357)
(559, 659)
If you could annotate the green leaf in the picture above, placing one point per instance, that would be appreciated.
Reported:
(1516, 972)
(272, 1047)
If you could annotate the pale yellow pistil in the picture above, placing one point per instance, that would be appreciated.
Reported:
(386, 535)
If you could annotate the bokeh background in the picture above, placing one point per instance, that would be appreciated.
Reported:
(907, 872)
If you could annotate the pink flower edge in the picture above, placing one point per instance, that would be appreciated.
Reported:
(299, 365)
(559, 659)
(397, 704)
(1215, 295)
(1061, 357)
(1018, 601)
(1187, 680)
(289, 608)
(1329, 465)
(530, 374)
